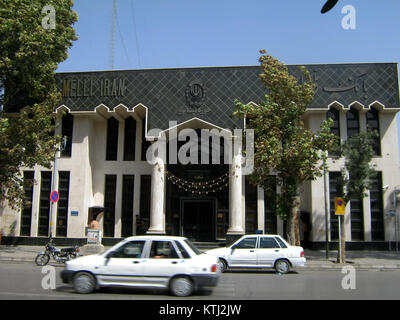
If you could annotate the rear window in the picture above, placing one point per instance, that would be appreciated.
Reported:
(193, 247)
(282, 244)
(268, 243)
(183, 251)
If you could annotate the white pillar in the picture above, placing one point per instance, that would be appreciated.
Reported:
(157, 215)
(260, 209)
(235, 199)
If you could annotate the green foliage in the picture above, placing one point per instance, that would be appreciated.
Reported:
(283, 145)
(29, 56)
(359, 172)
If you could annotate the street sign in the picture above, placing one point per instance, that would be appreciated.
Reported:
(339, 206)
(54, 196)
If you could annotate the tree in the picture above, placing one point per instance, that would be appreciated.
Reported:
(30, 52)
(356, 177)
(283, 146)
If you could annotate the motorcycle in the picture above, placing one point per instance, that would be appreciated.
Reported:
(59, 255)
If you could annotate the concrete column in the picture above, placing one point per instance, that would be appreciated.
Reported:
(343, 126)
(367, 218)
(35, 203)
(362, 114)
(235, 200)
(260, 209)
(157, 214)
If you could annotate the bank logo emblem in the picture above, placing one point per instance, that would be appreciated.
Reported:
(195, 94)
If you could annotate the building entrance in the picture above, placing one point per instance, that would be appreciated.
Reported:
(197, 198)
(198, 219)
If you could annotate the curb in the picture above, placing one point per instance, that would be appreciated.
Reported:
(314, 267)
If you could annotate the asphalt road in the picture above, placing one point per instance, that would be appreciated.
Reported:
(24, 281)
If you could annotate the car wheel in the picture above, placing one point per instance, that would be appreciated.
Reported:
(182, 286)
(282, 266)
(84, 282)
(222, 265)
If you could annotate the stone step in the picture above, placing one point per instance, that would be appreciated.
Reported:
(209, 245)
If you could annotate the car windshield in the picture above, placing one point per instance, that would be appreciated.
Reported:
(193, 247)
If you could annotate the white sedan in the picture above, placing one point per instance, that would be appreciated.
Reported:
(145, 261)
(260, 251)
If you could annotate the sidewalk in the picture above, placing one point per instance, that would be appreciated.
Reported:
(316, 260)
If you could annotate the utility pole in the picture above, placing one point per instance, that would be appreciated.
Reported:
(113, 27)
(326, 213)
(54, 183)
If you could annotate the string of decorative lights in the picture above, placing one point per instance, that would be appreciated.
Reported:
(200, 184)
(200, 188)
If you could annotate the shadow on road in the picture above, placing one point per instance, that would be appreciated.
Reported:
(131, 291)
(252, 271)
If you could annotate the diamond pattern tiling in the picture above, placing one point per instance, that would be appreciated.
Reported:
(164, 91)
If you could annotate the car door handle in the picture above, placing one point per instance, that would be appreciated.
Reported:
(251, 250)
(174, 262)
(136, 262)
(276, 250)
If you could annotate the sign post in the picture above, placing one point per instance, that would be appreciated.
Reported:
(54, 196)
(339, 211)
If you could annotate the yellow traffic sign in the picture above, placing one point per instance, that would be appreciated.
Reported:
(339, 206)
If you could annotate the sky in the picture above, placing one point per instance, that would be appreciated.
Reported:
(185, 33)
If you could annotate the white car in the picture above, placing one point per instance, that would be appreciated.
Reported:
(145, 261)
(260, 251)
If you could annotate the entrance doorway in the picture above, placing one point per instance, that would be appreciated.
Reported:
(198, 219)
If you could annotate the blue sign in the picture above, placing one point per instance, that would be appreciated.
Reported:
(74, 213)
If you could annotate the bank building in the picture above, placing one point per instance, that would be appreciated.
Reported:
(109, 119)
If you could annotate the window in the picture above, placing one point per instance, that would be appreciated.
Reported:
(130, 250)
(270, 206)
(67, 132)
(62, 204)
(112, 139)
(145, 194)
(373, 125)
(251, 206)
(247, 243)
(357, 219)
(145, 144)
(334, 178)
(109, 205)
(282, 244)
(163, 250)
(127, 205)
(183, 251)
(334, 114)
(268, 243)
(193, 247)
(26, 214)
(44, 205)
(130, 139)
(353, 123)
(376, 202)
